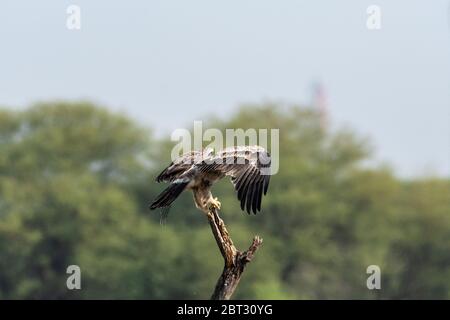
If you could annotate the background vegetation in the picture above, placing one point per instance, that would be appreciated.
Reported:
(76, 180)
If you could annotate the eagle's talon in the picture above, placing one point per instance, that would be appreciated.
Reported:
(213, 203)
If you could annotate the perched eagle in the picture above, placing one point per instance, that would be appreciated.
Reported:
(247, 166)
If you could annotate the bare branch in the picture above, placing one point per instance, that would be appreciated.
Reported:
(234, 260)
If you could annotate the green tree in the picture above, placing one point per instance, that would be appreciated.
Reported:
(76, 180)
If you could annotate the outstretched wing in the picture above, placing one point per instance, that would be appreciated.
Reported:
(181, 165)
(249, 169)
(172, 172)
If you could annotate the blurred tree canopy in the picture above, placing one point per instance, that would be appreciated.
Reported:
(76, 179)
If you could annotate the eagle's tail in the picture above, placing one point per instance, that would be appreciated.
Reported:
(168, 195)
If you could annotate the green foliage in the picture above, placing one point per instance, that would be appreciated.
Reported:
(75, 182)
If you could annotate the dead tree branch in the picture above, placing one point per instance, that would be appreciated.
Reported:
(235, 260)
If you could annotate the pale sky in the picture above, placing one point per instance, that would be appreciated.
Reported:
(168, 63)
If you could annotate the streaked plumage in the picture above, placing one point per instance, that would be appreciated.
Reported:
(247, 166)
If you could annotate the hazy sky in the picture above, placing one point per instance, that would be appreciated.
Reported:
(168, 63)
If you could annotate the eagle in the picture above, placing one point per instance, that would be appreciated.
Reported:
(247, 166)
